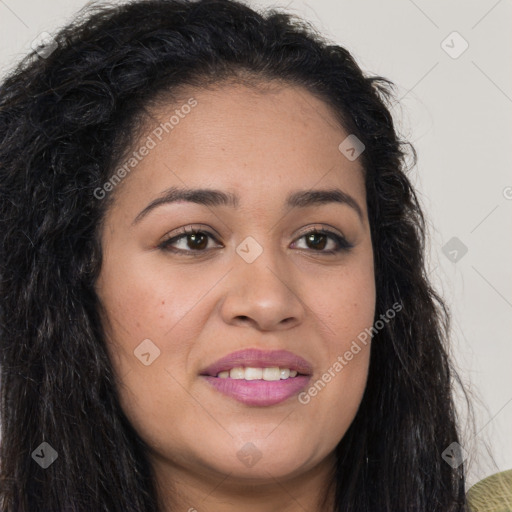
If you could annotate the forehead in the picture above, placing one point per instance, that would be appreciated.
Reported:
(261, 141)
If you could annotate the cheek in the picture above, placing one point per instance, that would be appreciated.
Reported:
(140, 305)
(345, 307)
(345, 303)
(143, 305)
(147, 300)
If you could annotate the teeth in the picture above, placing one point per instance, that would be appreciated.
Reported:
(237, 373)
(284, 373)
(273, 373)
(251, 373)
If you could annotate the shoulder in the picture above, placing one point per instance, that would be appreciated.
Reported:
(492, 494)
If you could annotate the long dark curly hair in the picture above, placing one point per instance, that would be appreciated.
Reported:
(67, 114)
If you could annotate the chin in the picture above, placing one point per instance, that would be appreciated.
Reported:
(260, 460)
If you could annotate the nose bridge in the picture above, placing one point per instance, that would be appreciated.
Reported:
(262, 287)
(260, 264)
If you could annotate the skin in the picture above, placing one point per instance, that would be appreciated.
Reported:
(261, 143)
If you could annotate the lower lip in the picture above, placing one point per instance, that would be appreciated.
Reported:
(259, 392)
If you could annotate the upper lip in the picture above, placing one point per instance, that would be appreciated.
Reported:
(259, 359)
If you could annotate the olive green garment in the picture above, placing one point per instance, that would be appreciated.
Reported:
(492, 494)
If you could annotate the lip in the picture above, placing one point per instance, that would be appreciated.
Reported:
(259, 359)
(259, 393)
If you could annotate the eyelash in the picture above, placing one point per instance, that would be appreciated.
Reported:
(343, 245)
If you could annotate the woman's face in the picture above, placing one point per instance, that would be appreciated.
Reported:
(254, 278)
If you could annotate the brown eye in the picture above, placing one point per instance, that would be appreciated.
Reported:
(193, 242)
(189, 241)
(197, 240)
(318, 241)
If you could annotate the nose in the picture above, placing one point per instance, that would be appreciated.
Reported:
(262, 294)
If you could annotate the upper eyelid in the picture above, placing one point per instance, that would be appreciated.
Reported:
(321, 227)
(190, 230)
(199, 228)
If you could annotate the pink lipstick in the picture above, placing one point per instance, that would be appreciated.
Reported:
(259, 378)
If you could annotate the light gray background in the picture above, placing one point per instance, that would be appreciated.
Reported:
(458, 113)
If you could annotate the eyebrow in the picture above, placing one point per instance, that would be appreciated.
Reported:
(212, 197)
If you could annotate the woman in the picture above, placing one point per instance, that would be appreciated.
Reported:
(213, 285)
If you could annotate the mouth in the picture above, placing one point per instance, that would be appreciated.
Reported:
(259, 364)
(268, 373)
(259, 378)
